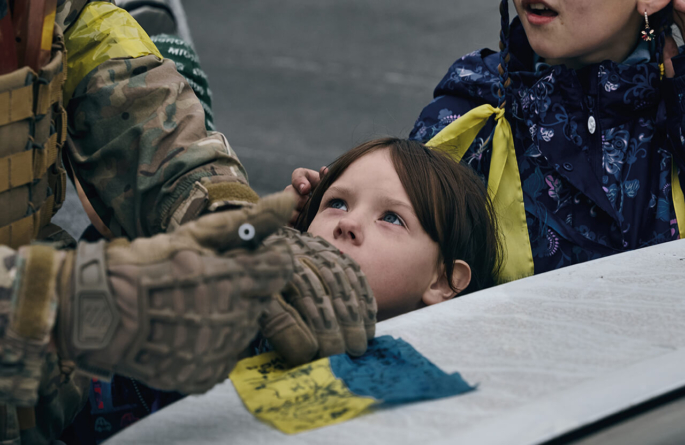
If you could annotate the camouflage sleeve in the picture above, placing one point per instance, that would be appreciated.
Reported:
(41, 379)
(68, 11)
(7, 274)
(140, 149)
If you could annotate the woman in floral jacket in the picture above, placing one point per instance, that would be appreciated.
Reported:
(596, 130)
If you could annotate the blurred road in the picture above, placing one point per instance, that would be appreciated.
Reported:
(296, 83)
(299, 82)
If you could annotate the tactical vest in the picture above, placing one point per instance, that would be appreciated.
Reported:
(33, 129)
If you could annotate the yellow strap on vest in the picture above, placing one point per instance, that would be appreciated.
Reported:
(504, 183)
(102, 32)
(678, 200)
(16, 105)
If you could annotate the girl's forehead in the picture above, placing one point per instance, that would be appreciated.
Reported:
(373, 173)
(376, 166)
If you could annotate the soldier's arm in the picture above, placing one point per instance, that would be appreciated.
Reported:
(174, 311)
(139, 146)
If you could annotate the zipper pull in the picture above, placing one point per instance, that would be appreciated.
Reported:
(591, 124)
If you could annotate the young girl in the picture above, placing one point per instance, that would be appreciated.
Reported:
(420, 225)
(586, 153)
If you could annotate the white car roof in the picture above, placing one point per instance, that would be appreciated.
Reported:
(549, 353)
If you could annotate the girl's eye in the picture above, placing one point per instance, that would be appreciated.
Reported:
(392, 218)
(337, 204)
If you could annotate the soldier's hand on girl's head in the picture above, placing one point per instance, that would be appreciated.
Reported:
(303, 182)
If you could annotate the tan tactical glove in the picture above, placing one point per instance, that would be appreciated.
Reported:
(173, 311)
(327, 308)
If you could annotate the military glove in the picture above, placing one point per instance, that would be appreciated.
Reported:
(173, 311)
(327, 307)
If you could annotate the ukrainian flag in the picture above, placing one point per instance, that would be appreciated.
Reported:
(335, 389)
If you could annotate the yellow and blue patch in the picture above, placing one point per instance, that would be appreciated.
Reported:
(335, 389)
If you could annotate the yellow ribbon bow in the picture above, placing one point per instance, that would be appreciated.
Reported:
(504, 183)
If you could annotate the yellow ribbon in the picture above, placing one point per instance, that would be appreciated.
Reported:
(102, 32)
(504, 183)
(678, 200)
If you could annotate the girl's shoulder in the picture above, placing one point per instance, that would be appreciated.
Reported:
(473, 77)
(472, 80)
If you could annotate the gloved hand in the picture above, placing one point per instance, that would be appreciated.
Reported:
(173, 311)
(327, 308)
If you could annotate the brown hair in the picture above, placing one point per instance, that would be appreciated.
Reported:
(449, 199)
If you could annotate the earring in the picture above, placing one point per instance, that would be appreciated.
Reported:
(648, 33)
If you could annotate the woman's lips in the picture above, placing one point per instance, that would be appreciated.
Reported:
(538, 12)
(538, 19)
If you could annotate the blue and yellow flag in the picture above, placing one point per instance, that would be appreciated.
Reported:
(334, 389)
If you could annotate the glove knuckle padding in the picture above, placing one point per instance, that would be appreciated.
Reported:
(198, 322)
(368, 307)
(186, 319)
(331, 294)
(283, 326)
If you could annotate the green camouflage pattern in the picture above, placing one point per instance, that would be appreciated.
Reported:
(9, 425)
(19, 360)
(52, 386)
(141, 148)
(23, 357)
(9, 428)
(8, 271)
(140, 144)
(142, 152)
(69, 10)
(61, 395)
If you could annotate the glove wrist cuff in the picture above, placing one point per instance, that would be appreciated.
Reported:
(88, 313)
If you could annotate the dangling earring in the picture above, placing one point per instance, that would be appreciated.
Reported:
(648, 33)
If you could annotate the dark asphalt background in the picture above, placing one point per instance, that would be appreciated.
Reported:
(296, 83)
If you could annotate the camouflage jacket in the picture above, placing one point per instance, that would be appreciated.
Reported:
(139, 148)
(61, 392)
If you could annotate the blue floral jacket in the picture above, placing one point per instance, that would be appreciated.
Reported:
(587, 194)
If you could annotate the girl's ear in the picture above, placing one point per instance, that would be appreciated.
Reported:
(440, 290)
(651, 6)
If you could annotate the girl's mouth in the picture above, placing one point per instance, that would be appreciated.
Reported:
(539, 13)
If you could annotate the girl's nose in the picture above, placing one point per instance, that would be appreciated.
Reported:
(350, 230)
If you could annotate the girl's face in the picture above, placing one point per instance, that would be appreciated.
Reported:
(581, 32)
(367, 214)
